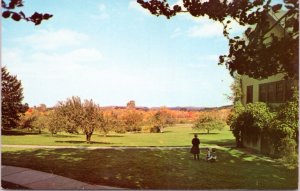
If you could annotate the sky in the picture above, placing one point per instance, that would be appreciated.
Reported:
(114, 51)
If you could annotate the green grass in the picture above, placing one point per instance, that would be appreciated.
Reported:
(157, 168)
(154, 168)
(178, 135)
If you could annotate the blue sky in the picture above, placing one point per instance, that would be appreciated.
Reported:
(114, 51)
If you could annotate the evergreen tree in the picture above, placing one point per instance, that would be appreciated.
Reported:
(11, 102)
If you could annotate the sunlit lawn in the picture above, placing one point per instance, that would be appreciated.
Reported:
(149, 168)
(156, 169)
(178, 135)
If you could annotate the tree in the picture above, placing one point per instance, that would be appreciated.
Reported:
(9, 12)
(78, 115)
(133, 120)
(236, 89)
(55, 122)
(11, 100)
(208, 123)
(248, 54)
(114, 122)
(161, 119)
(26, 121)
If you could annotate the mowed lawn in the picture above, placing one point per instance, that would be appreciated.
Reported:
(157, 168)
(178, 135)
(152, 168)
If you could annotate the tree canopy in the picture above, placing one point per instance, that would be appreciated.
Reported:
(77, 115)
(11, 100)
(248, 54)
(8, 11)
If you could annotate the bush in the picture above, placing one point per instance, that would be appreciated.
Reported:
(248, 123)
(288, 152)
(284, 130)
(155, 129)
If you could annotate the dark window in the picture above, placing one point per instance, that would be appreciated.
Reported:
(276, 92)
(280, 91)
(249, 94)
(263, 93)
(272, 92)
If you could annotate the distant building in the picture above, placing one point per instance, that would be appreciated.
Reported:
(131, 104)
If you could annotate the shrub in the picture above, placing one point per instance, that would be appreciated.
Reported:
(155, 129)
(284, 131)
(247, 123)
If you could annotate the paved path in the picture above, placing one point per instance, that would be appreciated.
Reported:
(38, 180)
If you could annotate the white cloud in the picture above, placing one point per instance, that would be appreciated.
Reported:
(84, 56)
(206, 30)
(50, 40)
(11, 56)
(101, 14)
(205, 61)
(177, 32)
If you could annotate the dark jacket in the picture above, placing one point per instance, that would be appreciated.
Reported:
(195, 148)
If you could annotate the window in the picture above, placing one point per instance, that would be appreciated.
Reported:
(280, 91)
(263, 96)
(249, 94)
(272, 93)
(275, 92)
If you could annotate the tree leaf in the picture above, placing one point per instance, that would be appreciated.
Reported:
(277, 7)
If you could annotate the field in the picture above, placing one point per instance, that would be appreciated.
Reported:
(152, 168)
(179, 135)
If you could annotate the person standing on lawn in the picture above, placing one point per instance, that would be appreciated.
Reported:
(195, 148)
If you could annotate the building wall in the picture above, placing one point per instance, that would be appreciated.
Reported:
(247, 81)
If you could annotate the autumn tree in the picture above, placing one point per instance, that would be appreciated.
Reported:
(133, 120)
(9, 11)
(161, 119)
(248, 53)
(11, 100)
(77, 115)
(114, 121)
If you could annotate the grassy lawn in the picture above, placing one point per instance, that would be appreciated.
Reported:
(178, 135)
(157, 168)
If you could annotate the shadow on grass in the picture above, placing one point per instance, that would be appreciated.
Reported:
(156, 169)
(220, 142)
(17, 133)
(58, 136)
(82, 142)
(110, 136)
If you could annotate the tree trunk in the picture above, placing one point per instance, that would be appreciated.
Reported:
(207, 131)
(88, 137)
